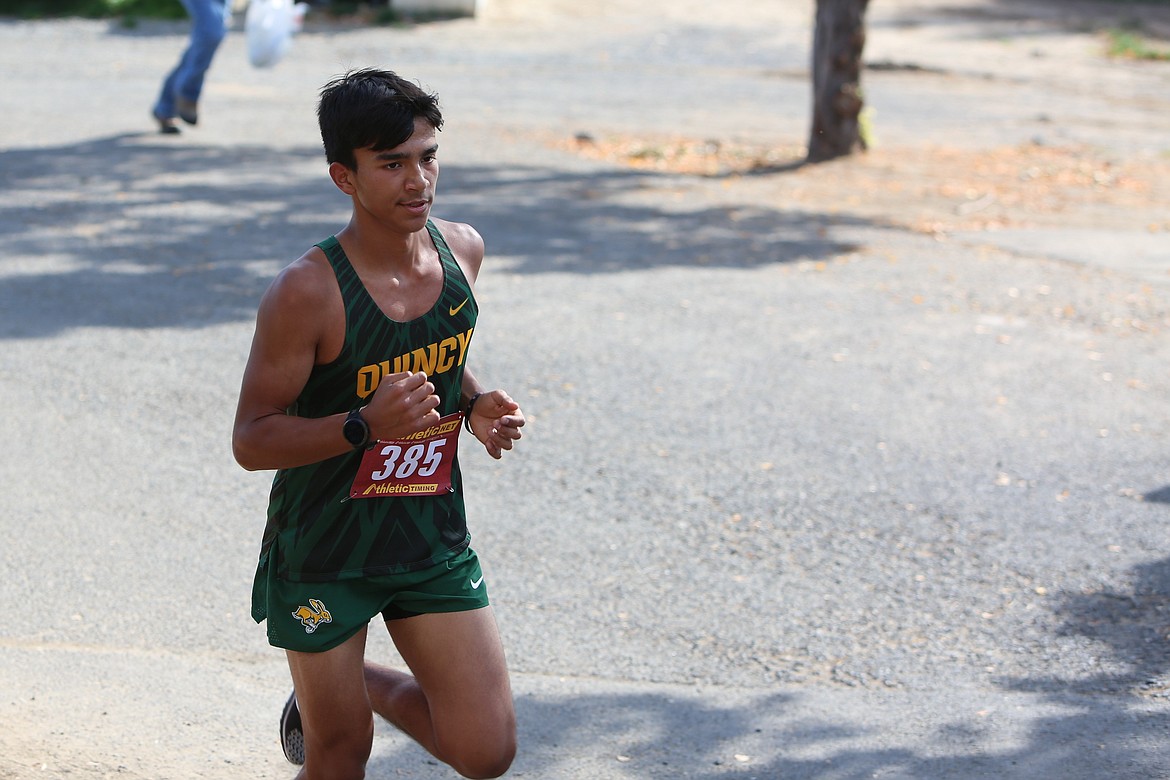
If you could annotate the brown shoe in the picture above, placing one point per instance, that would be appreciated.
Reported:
(188, 110)
(166, 124)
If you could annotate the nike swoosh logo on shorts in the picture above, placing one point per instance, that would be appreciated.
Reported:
(455, 309)
(476, 583)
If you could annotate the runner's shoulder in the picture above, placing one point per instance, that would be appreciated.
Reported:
(305, 285)
(466, 244)
(459, 235)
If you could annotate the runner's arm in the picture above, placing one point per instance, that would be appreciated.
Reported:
(284, 350)
(496, 419)
(290, 325)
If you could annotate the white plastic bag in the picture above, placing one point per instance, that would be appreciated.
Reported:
(268, 28)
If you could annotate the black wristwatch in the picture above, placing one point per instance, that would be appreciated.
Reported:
(356, 430)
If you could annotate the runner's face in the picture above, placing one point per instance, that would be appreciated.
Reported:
(397, 185)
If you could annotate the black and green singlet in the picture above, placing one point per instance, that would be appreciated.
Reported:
(314, 533)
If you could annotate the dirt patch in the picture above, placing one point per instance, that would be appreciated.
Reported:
(927, 189)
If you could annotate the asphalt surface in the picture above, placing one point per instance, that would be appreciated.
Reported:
(804, 493)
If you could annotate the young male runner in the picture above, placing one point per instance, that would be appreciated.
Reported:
(355, 390)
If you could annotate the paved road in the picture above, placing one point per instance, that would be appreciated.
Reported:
(805, 494)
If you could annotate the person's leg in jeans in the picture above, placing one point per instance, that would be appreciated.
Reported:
(183, 85)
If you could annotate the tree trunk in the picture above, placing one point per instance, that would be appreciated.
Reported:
(836, 72)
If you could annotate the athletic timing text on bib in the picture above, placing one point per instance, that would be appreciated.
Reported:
(419, 465)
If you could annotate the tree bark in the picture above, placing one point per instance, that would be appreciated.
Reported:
(836, 71)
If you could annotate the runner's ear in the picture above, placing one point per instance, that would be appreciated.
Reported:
(341, 177)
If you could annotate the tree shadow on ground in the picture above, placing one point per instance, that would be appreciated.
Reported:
(1159, 496)
(1107, 726)
(321, 19)
(1132, 626)
(130, 231)
(1150, 17)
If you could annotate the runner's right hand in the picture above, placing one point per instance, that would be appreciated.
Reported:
(403, 403)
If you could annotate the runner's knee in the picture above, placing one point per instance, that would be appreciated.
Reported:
(482, 762)
(337, 753)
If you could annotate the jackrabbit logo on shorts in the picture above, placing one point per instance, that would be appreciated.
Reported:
(312, 616)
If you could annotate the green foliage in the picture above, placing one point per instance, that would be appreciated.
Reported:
(865, 128)
(94, 9)
(387, 16)
(1131, 45)
(151, 9)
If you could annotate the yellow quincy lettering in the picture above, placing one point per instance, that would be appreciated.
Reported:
(437, 358)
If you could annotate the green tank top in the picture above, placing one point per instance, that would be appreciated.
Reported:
(315, 533)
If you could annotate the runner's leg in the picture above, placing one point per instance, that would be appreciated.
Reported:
(458, 703)
(335, 710)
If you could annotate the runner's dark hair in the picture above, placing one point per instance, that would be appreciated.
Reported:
(371, 109)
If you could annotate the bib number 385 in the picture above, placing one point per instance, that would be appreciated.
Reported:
(419, 465)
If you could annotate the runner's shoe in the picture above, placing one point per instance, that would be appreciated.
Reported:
(292, 736)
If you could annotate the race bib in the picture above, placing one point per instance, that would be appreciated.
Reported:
(419, 465)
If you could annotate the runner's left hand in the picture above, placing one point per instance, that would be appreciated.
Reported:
(496, 421)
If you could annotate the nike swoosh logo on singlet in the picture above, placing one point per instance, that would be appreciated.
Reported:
(455, 310)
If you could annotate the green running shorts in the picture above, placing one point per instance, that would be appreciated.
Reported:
(312, 617)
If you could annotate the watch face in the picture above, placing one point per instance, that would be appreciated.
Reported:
(355, 432)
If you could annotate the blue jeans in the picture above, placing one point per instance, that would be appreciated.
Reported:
(209, 20)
